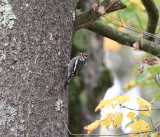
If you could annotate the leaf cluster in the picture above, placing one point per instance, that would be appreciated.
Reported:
(138, 125)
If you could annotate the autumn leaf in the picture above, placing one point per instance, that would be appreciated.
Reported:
(141, 68)
(139, 126)
(130, 84)
(146, 113)
(93, 126)
(121, 99)
(114, 105)
(153, 100)
(150, 61)
(116, 118)
(131, 115)
(104, 103)
(106, 121)
(144, 103)
(109, 102)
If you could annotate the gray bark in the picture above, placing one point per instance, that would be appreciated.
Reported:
(33, 55)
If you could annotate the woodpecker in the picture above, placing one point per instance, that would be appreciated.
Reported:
(75, 66)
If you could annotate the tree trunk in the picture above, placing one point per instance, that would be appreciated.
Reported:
(35, 44)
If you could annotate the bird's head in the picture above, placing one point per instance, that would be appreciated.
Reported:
(84, 55)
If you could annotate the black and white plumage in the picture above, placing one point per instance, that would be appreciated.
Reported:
(75, 66)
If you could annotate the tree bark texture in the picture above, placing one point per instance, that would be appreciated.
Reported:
(33, 56)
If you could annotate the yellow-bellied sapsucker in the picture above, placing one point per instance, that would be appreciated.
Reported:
(75, 66)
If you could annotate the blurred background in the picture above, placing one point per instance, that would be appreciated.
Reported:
(111, 69)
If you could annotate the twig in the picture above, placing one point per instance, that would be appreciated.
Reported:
(120, 17)
(106, 135)
(112, 22)
(152, 122)
(130, 27)
(158, 83)
(138, 109)
(133, 29)
(111, 5)
(85, 19)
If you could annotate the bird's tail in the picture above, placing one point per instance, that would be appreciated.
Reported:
(67, 82)
(65, 85)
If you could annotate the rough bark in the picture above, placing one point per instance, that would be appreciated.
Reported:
(33, 55)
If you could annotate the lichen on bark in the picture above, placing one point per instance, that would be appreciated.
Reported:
(7, 16)
(34, 64)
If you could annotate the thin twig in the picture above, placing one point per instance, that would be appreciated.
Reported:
(112, 22)
(120, 17)
(152, 123)
(112, 4)
(158, 83)
(106, 135)
(133, 29)
(138, 109)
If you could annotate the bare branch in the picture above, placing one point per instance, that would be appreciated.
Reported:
(124, 38)
(153, 16)
(107, 135)
(157, 79)
(83, 20)
(133, 29)
(138, 109)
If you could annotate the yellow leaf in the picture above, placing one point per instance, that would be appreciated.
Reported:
(122, 99)
(153, 100)
(144, 103)
(131, 115)
(104, 103)
(155, 135)
(130, 84)
(116, 118)
(93, 126)
(109, 102)
(139, 126)
(144, 112)
(114, 105)
(106, 121)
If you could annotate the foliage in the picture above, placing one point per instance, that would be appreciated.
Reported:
(138, 125)
(146, 75)
(148, 68)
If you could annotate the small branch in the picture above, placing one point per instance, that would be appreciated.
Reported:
(157, 80)
(124, 38)
(138, 109)
(106, 135)
(83, 20)
(133, 29)
(153, 16)
(152, 123)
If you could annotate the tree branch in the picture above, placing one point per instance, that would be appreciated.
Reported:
(153, 16)
(83, 20)
(122, 134)
(124, 38)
